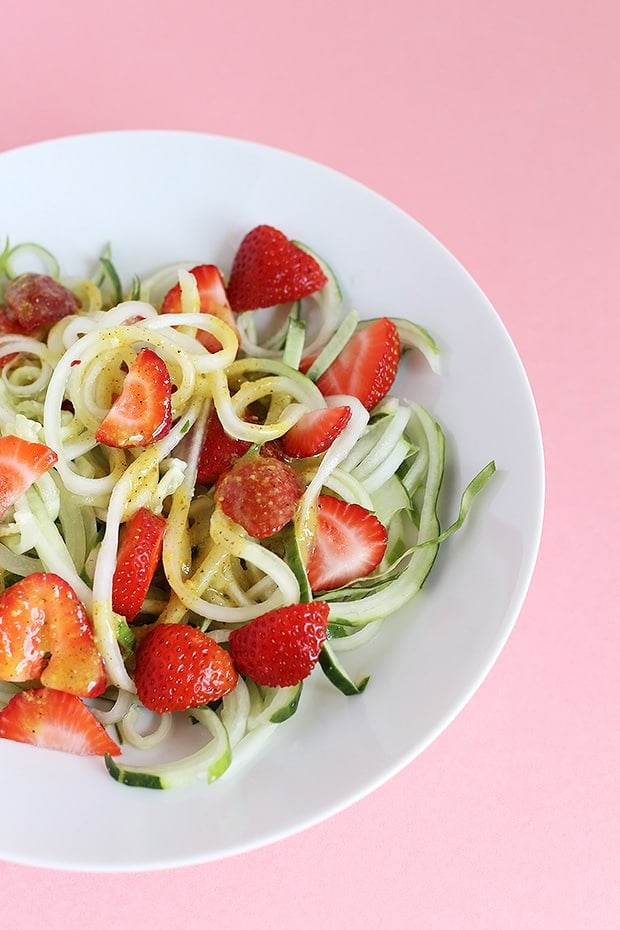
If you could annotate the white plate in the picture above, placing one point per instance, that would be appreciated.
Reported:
(165, 196)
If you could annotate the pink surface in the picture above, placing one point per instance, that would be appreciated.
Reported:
(496, 126)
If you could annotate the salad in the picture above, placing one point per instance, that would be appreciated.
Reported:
(209, 491)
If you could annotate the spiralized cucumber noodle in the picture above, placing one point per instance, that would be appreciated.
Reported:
(57, 389)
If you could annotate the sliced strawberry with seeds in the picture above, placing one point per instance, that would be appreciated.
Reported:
(142, 413)
(261, 493)
(75, 664)
(268, 269)
(315, 431)
(349, 543)
(280, 648)
(45, 633)
(53, 719)
(178, 667)
(36, 299)
(366, 367)
(21, 463)
(139, 553)
(213, 300)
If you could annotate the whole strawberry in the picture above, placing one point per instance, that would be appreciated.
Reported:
(280, 648)
(268, 269)
(178, 667)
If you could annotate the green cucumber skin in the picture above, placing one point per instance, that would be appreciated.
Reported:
(207, 764)
(283, 713)
(135, 779)
(338, 676)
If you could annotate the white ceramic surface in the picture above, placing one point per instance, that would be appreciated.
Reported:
(159, 197)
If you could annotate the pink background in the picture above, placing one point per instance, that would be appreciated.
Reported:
(496, 125)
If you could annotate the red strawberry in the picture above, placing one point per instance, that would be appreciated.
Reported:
(280, 648)
(268, 269)
(367, 365)
(45, 633)
(21, 463)
(219, 451)
(213, 300)
(36, 299)
(349, 543)
(139, 552)
(315, 431)
(54, 719)
(178, 667)
(10, 328)
(143, 411)
(261, 493)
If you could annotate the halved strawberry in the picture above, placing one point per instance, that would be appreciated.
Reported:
(139, 552)
(219, 451)
(178, 667)
(53, 719)
(268, 269)
(213, 300)
(142, 413)
(349, 543)
(281, 647)
(315, 431)
(261, 493)
(36, 299)
(21, 463)
(366, 367)
(45, 633)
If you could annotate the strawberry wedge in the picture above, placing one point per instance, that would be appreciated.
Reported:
(349, 543)
(213, 300)
(21, 463)
(139, 552)
(315, 431)
(53, 719)
(45, 633)
(219, 451)
(367, 365)
(142, 413)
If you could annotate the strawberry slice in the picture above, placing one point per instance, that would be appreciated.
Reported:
(213, 300)
(261, 493)
(21, 463)
(36, 299)
(366, 367)
(45, 633)
(53, 719)
(349, 543)
(315, 431)
(268, 269)
(280, 648)
(178, 667)
(142, 413)
(219, 451)
(139, 552)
